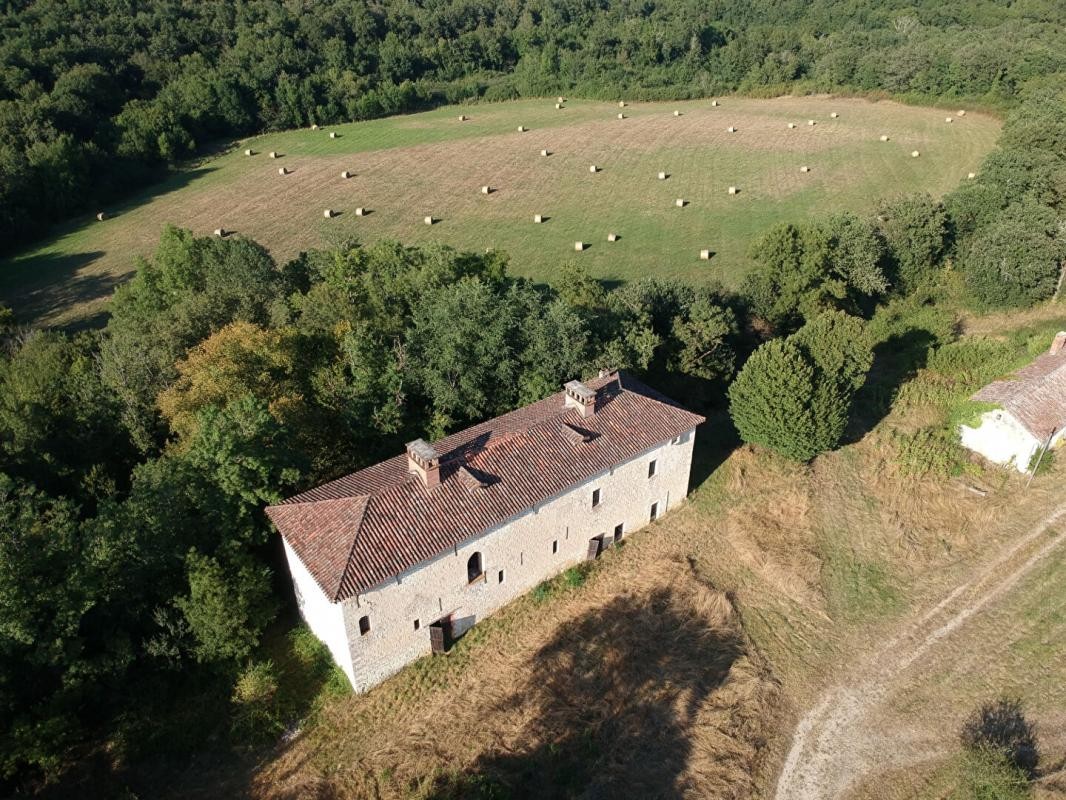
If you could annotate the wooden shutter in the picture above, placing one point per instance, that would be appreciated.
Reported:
(436, 637)
(595, 545)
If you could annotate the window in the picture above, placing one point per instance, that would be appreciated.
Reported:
(555, 546)
(500, 577)
(595, 497)
(619, 530)
(651, 468)
(654, 511)
(473, 568)
(364, 626)
(417, 624)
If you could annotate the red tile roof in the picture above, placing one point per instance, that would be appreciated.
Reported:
(1035, 396)
(365, 528)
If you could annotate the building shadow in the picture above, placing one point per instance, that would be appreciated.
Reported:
(612, 702)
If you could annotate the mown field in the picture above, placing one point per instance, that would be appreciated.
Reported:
(431, 164)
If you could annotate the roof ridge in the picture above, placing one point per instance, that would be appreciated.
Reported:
(348, 559)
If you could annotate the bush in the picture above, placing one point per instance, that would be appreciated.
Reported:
(985, 775)
(256, 718)
(1000, 727)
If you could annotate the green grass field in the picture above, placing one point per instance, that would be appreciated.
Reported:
(405, 168)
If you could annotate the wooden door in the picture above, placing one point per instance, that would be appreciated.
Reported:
(595, 545)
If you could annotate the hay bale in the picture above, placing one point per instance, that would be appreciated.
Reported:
(884, 138)
(544, 153)
(961, 112)
(593, 168)
(248, 152)
(314, 127)
(971, 176)
(733, 190)
(612, 237)
(621, 116)
(220, 232)
(428, 220)
(521, 128)
(915, 154)
(360, 212)
(731, 129)
(680, 202)
(579, 246)
(705, 255)
(346, 174)
(834, 115)
(486, 190)
(791, 125)
(948, 119)
(332, 134)
(714, 103)
(273, 154)
(283, 171)
(328, 213)
(811, 122)
(558, 106)
(463, 117)
(805, 169)
(560, 99)
(621, 103)
(537, 218)
(677, 113)
(101, 216)
(662, 176)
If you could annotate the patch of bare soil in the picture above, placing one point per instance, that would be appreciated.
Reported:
(640, 684)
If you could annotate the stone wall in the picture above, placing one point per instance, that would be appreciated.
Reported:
(515, 557)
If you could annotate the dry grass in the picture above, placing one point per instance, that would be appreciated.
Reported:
(637, 684)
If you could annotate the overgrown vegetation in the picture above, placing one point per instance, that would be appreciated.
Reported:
(135, 564)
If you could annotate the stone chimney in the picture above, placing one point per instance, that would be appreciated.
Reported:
(1057, 343)
(424, 461)
(581, 397)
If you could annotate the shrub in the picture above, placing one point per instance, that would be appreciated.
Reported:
(1000, 727)
(256, 718)
(985, 775)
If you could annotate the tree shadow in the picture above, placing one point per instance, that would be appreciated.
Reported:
(609, 713)
(896, 360)
(48, 284)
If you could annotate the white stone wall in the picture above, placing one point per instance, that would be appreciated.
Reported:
(1001, 439)
(325, 619)
(527, 549)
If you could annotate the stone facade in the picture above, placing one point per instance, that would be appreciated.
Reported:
(514, 557)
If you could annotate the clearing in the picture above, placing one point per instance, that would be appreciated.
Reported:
(431, 164)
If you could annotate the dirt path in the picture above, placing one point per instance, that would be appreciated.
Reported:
(838, 742)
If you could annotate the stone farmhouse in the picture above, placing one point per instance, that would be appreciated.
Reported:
(395, 561)
(1030, 414)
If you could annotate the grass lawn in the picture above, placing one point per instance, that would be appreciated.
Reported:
(409, 167)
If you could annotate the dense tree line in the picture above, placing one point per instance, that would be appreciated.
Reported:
(97, 98)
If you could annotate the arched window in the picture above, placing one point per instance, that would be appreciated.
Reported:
(473, 568)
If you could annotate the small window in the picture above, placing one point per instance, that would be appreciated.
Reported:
(595, 497)
(651, 469)
(619, 531)
(499, 578)
(555, 546)
(654, 511)
(473, 568)
(364, 626)
(417, 624)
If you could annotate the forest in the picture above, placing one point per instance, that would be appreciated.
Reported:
(137, 572)
(97, 99)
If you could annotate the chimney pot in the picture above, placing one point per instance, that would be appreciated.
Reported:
(1058, 342)
(578, 395)
(424, 461)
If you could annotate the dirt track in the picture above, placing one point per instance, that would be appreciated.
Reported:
(838, 742)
